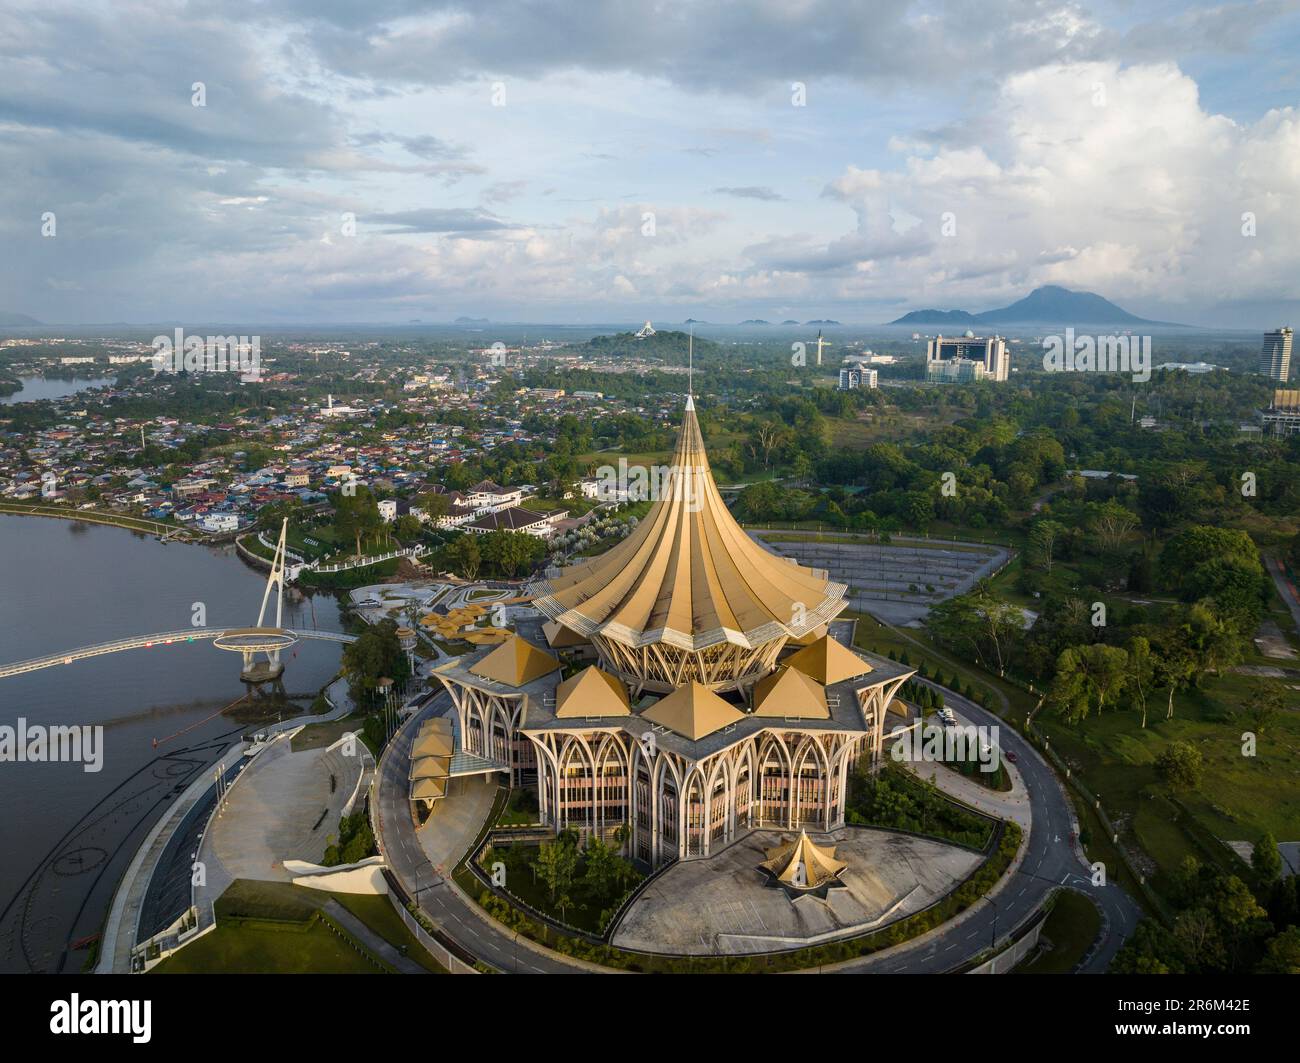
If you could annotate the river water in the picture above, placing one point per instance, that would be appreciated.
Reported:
(36, 388)
(67, 834)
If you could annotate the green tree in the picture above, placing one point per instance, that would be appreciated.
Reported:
(510, 551)
(1043, 539)
(434, 505)
(601, 870)
(356, 514)
(1140, 673)
(1265, 858)
(1105, 668)
(1179, 764)
(1282, 955)
(1175, 668)
(463, 556)
(980, 624)
(1069, 694)
(556, 863)
(375, 654)
(1266, 702)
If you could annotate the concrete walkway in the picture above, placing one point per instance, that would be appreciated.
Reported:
(122, 924)
(121, 927)
(372, 941)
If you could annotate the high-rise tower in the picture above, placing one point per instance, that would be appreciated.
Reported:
(1275, 359)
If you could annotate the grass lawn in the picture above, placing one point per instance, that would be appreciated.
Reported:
(268, 928)
(320, 735)
(873, 636)
(252, 899)
(1239, 796)
(1071, 928)
(252, 949)
(520, 810)
(377, 912)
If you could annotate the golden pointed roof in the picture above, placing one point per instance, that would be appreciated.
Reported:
(431, 768)
(428, 789)
(693, 711)
(800, 864)
(515, 662)
(828, 662)
(432, 744)
(811, 637)
(591, 692)
(560, 637)
(789, 693)
(689, 576)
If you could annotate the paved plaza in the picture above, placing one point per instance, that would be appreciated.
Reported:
(285, 806)
(898, 582)
(723, 905)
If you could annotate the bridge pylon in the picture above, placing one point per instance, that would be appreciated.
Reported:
(263, 638)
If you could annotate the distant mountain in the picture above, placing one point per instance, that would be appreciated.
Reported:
(822, 321)
(789, 321)
(755, 321)
(1048, 305)
(936, 317)
(11, 320)
(694, 321)
(471, 321)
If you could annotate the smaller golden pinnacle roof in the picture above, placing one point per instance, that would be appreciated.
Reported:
(515, 662)
(828, 662)
(801, 865)
(592, 692)
(433, 744)
(428, 789)
(693, 711)
(790, 694)
(560, 637)
(431, 768)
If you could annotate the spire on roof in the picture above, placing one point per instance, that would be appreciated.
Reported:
(690, 577)
(690, 369)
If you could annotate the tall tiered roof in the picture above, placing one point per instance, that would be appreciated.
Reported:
(689, 576)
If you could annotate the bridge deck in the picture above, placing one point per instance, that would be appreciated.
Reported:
(161, 638)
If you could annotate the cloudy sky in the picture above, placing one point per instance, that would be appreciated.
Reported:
(565, 161)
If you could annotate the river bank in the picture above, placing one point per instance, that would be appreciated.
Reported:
(71, 583)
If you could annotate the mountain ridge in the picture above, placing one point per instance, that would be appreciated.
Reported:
(1049, 304)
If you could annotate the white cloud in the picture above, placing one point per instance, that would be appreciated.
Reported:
(1141, 196)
